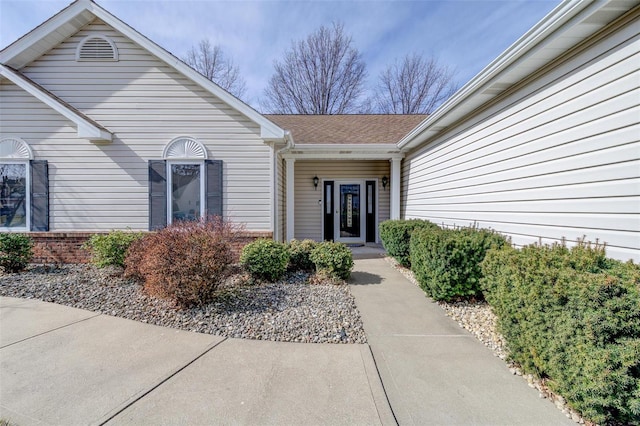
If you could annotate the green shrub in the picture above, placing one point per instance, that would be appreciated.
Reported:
(184, 262)
(265, 259)
(572, 316)
(396, 235)
(333, 259)
(16, 251)
(110, 249)
(299, 255)
(446, 262)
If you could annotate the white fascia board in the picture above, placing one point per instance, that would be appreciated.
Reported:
(268, 129)
(558, 17)
(86, 129)
(341, 156)
(348, 146)
(344, 152)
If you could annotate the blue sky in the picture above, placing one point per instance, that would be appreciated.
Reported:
(463, 34)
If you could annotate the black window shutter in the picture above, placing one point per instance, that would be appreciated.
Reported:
(157, 194)
(213, 189)
(39, 195)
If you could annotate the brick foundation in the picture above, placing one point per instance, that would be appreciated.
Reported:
(66, 247)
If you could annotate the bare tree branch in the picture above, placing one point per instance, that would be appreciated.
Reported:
(323, 74)
(414, 86)
(211, 62)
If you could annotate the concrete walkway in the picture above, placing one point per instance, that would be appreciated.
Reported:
(434, 372)
(66, 366)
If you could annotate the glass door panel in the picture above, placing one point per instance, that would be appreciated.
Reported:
(350, 226)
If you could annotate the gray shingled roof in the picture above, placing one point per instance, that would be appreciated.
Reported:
(347, 129)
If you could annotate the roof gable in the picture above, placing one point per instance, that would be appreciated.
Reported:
(71, 19)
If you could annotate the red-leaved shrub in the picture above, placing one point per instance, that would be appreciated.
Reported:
(184, 262)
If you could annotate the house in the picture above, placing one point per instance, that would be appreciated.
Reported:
(101, 129)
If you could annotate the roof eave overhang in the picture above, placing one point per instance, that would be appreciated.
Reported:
(553, 36)
(85, 128)
(24, 50)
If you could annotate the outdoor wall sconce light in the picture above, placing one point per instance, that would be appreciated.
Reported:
(385, 181)
(315, 182)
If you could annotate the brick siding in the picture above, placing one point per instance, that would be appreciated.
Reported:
(67, 247)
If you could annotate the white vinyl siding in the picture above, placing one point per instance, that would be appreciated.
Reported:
(557, 158)
(308, 212)
(145, 104)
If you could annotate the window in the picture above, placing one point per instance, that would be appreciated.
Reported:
(24, 188)
(185, 185)
(14, 197)
(96, 48)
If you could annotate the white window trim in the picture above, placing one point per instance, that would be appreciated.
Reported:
(27, 201)
(203, 201)
(116, 55)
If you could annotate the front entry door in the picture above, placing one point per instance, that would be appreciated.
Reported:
(349, 223)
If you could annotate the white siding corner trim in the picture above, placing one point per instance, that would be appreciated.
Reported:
(184, 147)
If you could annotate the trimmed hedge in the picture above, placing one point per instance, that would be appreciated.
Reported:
(265, 259)
(16, 251)
(446, 262)
(396, 234)
(300, 255)
(572, 316)
(332, 259)
(110, 249)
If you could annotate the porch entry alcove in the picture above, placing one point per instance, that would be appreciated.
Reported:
(338, 200)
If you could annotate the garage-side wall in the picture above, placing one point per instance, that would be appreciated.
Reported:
(308, 212)
(557, 158)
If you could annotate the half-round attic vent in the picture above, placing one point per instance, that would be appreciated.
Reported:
(97, 48)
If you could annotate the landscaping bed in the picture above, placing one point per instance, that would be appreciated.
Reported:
(289, 310)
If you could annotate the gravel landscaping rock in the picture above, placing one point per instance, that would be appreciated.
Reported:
(290, 310)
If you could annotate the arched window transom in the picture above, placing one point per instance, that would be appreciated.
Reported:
(15, 149)
(184, 147)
